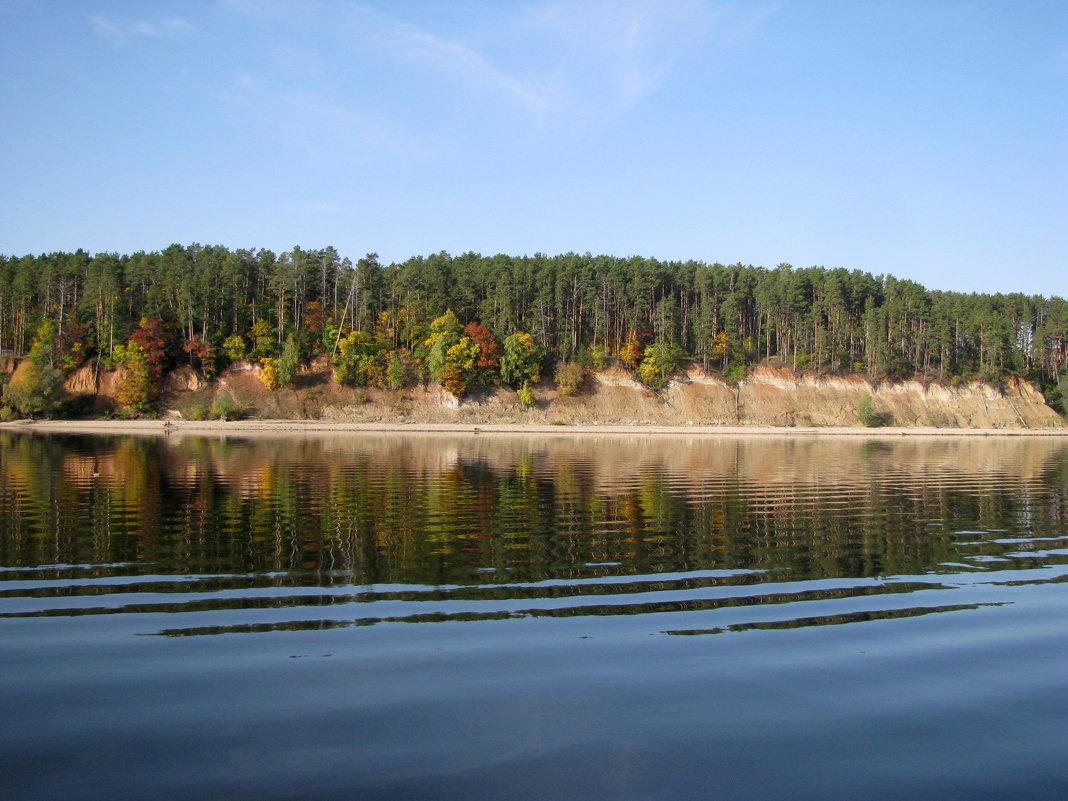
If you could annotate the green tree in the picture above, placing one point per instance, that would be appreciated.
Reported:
(289, 361)
(43, 349)
(526, 396)
(445, 331)
(397, 371)
(521, 359)
(660, 362)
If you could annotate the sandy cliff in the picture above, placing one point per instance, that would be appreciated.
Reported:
(767, 397)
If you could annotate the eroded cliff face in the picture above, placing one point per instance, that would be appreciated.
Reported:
(773, 397)
(100, 386)
(767, 397)
(777, 397)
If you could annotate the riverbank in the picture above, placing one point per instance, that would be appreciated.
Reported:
(278, 427)
(769, 400)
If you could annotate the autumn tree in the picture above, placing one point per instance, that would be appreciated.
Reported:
(631, 352)
(487, 365)
(269, 374)
(459, 367)
(140, 387)
(235, 347)
(157, 341)
(202, 353)
(360, 361)
(568, 377)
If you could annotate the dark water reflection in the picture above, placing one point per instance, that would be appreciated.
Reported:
(471, 616)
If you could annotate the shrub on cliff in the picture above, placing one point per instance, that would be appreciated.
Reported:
(36, 387)
(34, 390)
(568, 377)
(871, 418)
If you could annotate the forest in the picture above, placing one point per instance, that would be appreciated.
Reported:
(471, 321)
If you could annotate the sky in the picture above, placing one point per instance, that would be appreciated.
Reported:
(927, 140)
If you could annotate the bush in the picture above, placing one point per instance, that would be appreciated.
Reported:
(569, 377)
(269, 374)
(526, 397)
(34, 390)
(871, 418)
(222, 407)
(736, 373)
(397, 372)
(598, 358)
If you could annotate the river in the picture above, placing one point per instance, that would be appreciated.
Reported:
(463, 616)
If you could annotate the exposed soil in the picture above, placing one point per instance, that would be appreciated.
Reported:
(612, 397)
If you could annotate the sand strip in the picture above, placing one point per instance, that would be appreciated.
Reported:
(279, 427)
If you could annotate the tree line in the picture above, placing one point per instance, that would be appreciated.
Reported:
(468, 320)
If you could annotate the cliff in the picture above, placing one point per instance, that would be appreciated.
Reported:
(766, 397)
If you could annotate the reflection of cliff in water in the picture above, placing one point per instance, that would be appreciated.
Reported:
(771, 459)
(438, 509)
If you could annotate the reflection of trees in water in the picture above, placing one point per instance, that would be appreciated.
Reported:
(447, 510)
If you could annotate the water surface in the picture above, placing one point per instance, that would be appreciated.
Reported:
(466, 616)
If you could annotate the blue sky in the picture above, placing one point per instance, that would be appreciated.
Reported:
(924, 139)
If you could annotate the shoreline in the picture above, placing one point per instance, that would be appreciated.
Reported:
(215, 428)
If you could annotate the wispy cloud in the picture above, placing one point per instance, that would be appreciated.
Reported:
(466, 64)
(620, 52)
(536, 66)
(574, 58)
(122, 31)
(320, 125)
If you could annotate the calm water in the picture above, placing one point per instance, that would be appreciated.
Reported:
(453, 617)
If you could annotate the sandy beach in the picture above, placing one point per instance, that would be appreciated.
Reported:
(217, 428)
